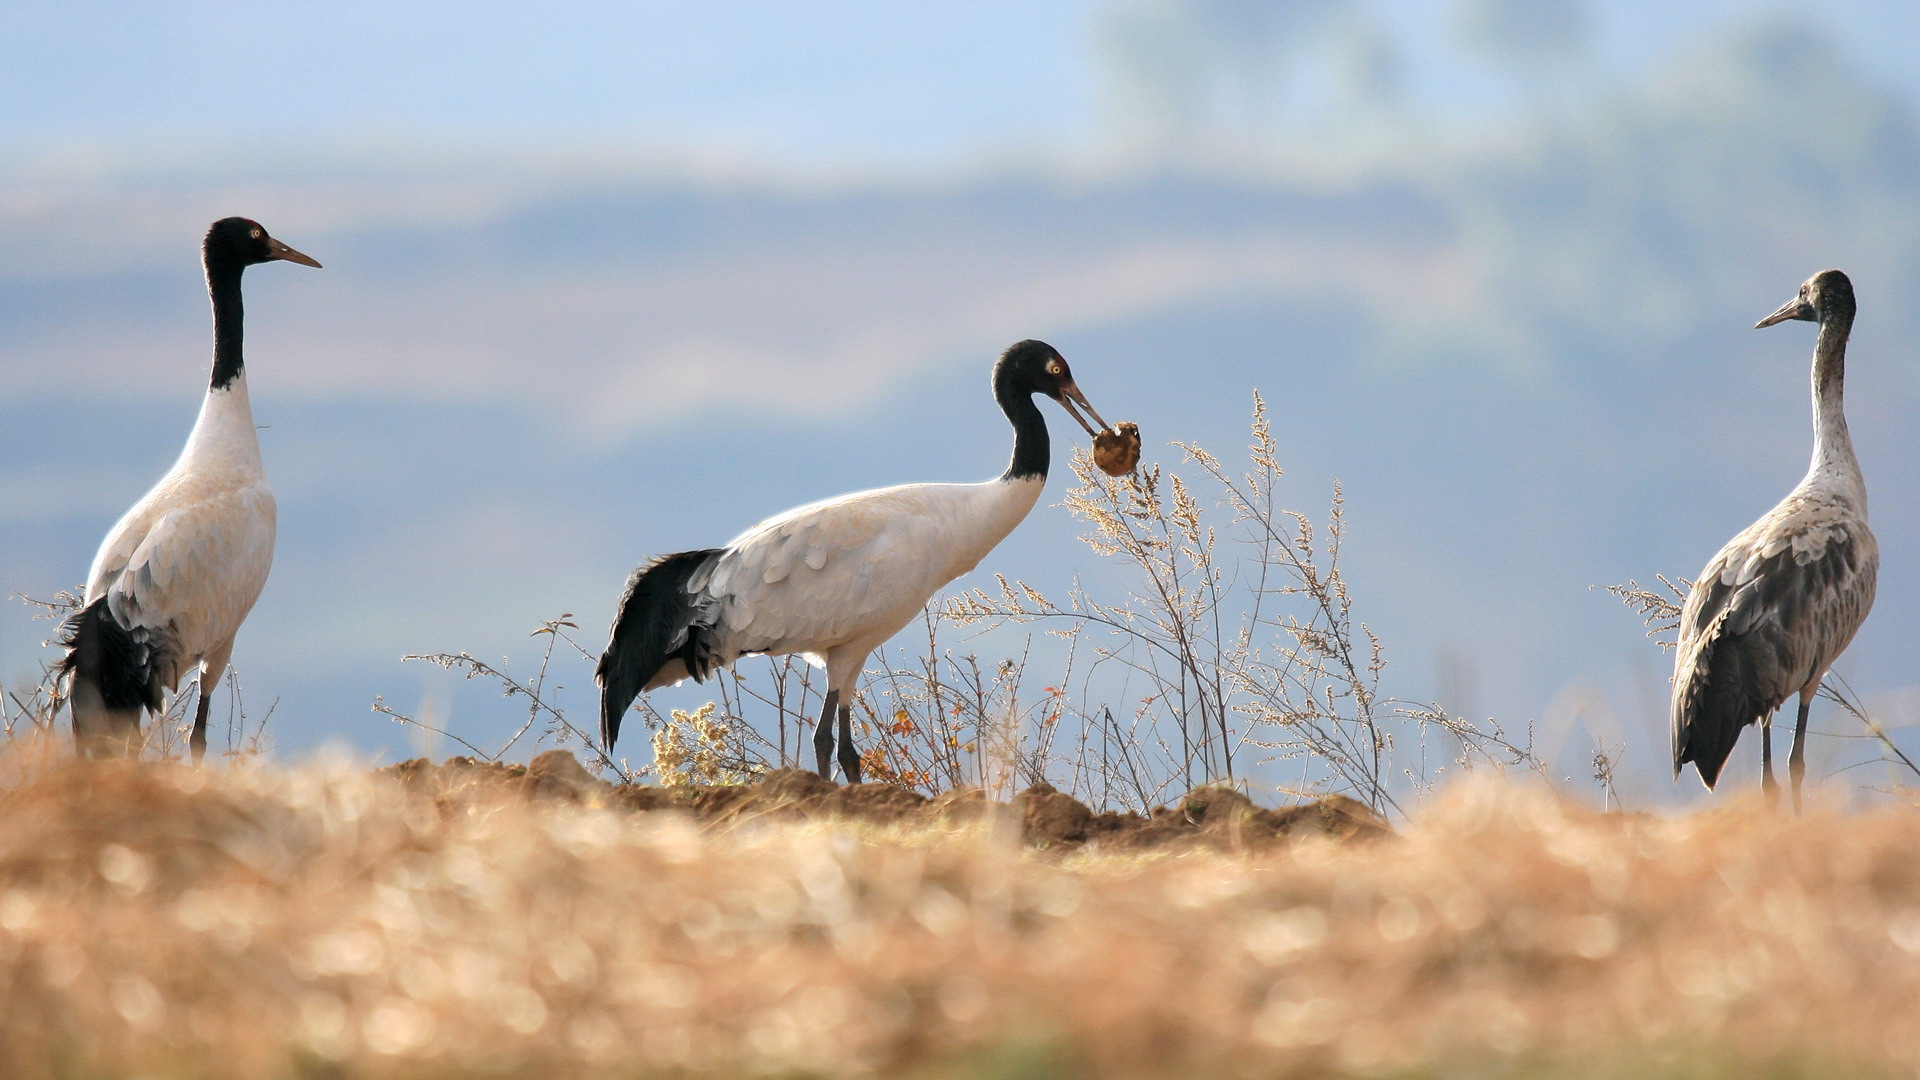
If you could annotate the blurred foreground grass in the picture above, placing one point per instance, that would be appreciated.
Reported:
(325, 922)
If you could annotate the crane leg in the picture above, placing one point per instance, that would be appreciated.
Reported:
(211, 668)
(849, 754)
(198, 743)
(1797, 760)
(823, 737)
(1767, 783)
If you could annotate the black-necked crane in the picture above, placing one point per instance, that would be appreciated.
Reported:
(832, 580)
(1773, 610)
(177, 575)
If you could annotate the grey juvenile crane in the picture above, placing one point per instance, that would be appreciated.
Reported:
(1776, 606)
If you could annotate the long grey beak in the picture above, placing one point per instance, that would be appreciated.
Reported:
(1795, 308)
(1070, 394)
(282, 251)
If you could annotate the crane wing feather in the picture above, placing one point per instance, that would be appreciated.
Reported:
(191, 572)
(1767, 616)
(850, 568)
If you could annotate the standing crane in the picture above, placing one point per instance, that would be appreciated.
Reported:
(177, 575)
(1774, 609)
(834, 579)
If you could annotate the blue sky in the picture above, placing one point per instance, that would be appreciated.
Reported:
(807, 82)
(878, 84)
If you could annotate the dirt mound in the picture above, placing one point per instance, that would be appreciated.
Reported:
(960, 805)
(1225, 819)
(1048, 818)
(460, 778)
(1217, 817)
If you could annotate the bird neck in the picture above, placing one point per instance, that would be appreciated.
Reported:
(1031, 449)
(223, 286)
(224, 436)
(1832, 446)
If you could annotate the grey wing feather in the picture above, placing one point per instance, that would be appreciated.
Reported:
(1768, 615)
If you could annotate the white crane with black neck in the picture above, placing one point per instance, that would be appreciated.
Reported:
(1774, 609)
(177, 575)
(834, 579)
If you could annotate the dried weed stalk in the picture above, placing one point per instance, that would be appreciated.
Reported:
(1659, 610)
(541, 711)
(1224, 652)
(33, 709)
(1835, 689)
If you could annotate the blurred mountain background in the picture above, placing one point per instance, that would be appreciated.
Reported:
(604, 281)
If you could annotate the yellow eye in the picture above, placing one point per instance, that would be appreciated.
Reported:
(256, 233)
(1053, 367)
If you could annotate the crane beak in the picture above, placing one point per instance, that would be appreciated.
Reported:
(282, 251)
(1795, 308)
(1069, 394)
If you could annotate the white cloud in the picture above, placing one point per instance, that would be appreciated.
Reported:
(822, 314)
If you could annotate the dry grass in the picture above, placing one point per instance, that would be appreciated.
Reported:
(322, 922)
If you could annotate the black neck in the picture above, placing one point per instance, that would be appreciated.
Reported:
(223, 285)
(1030, 447)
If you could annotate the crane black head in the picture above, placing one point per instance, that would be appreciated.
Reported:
(1826, 297)
(1035, 367)
(239, 242)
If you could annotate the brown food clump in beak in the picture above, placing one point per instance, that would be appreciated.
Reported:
(1117, 449)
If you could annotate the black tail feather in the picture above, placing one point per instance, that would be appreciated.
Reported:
(1725, 706)
(655, 625)
(112, 674)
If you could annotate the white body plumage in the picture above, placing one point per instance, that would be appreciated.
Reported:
(187, 562)
(834, 579)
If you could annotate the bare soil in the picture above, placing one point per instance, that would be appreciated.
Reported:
(1216, 818)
